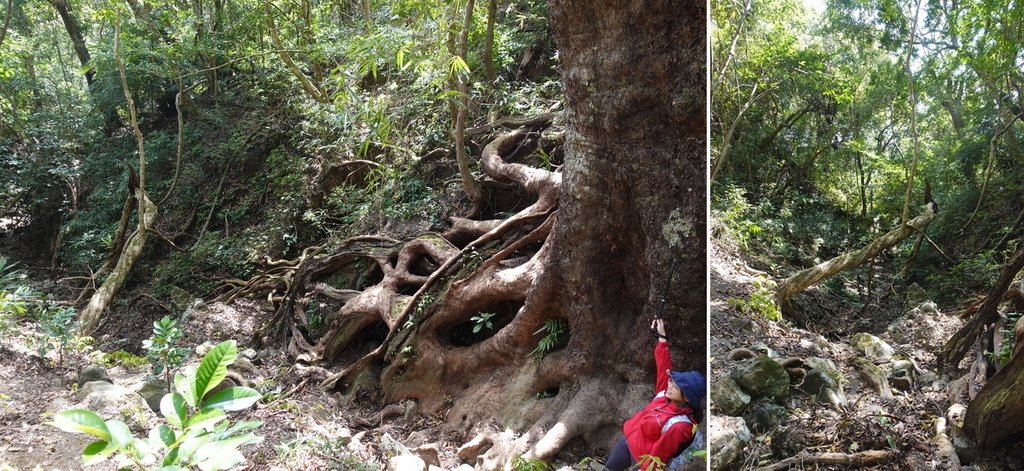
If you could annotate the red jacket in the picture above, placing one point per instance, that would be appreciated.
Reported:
(644, 431)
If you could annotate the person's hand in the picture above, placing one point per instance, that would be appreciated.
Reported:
(659, 326)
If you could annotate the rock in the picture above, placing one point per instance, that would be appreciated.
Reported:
(392, 447)
(469, 452)
(355, 444)
(727, 437)
(153, 390)
(916, 295)
(464, 467)
(763, 417)
(928, 308)
(762, 348)
(406, 463)
(874, 348)
(180, 299)
(93, 372)
(728, 396)
(824, 382)
(417, 438)
(109, 400)
(901, 374)
(763, 377)
(429, 453)
(431, 467)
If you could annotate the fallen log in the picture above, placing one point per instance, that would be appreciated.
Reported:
(814, 275)
(863, 458)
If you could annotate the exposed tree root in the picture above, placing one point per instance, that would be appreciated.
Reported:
(863, 458)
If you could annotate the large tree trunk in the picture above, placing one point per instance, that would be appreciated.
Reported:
(592, 253)
(814, 275)
(995, 417)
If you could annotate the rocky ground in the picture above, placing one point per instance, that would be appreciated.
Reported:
(303, 427)
(784, 397)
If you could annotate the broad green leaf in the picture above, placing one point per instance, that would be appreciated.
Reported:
(185, 385)
(214, 368)
(205, 419)
(82, 421)
(120, 436)
(189, 446)
(164, 434)
(96, 452)
(212, 456)
(241, 426)
(232, 399)
(172, 406)
(172, 468)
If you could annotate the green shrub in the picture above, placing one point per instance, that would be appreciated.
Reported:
(197, 432)
(761, 301)
(162, 348)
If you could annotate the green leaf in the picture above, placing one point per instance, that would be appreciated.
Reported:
(213, 456)
(232, 399)
(120, 436)
(205, 418)
(82, 421)
(184, 384)
(214, 368)
(172, 468)
(96, 452)
(166, 435)
(172, 406)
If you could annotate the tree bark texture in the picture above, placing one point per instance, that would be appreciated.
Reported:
(592, 252)
(995, 418)
(814, 275)
(75, 33)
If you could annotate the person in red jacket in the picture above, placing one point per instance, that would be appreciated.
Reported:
(667, 424)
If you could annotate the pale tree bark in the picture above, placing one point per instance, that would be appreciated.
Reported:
(311, 89)
(90, 315)
(814, 275)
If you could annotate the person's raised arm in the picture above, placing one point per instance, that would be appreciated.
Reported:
(662, 358)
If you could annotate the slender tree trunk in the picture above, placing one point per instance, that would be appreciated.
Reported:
(7, 21)
(492, 13)
(472, 187)
(313, 90)
(93, 311)
(960, 343)
(75, 33)
(913, 116)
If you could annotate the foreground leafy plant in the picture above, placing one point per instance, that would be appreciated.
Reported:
(163, 352)
(197, 432)
(59, 327)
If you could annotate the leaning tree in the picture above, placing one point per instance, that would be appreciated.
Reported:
(539, 322)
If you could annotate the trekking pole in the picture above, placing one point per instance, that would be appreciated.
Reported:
(664, 300)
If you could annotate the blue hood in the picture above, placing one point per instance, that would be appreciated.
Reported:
(692, 384)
